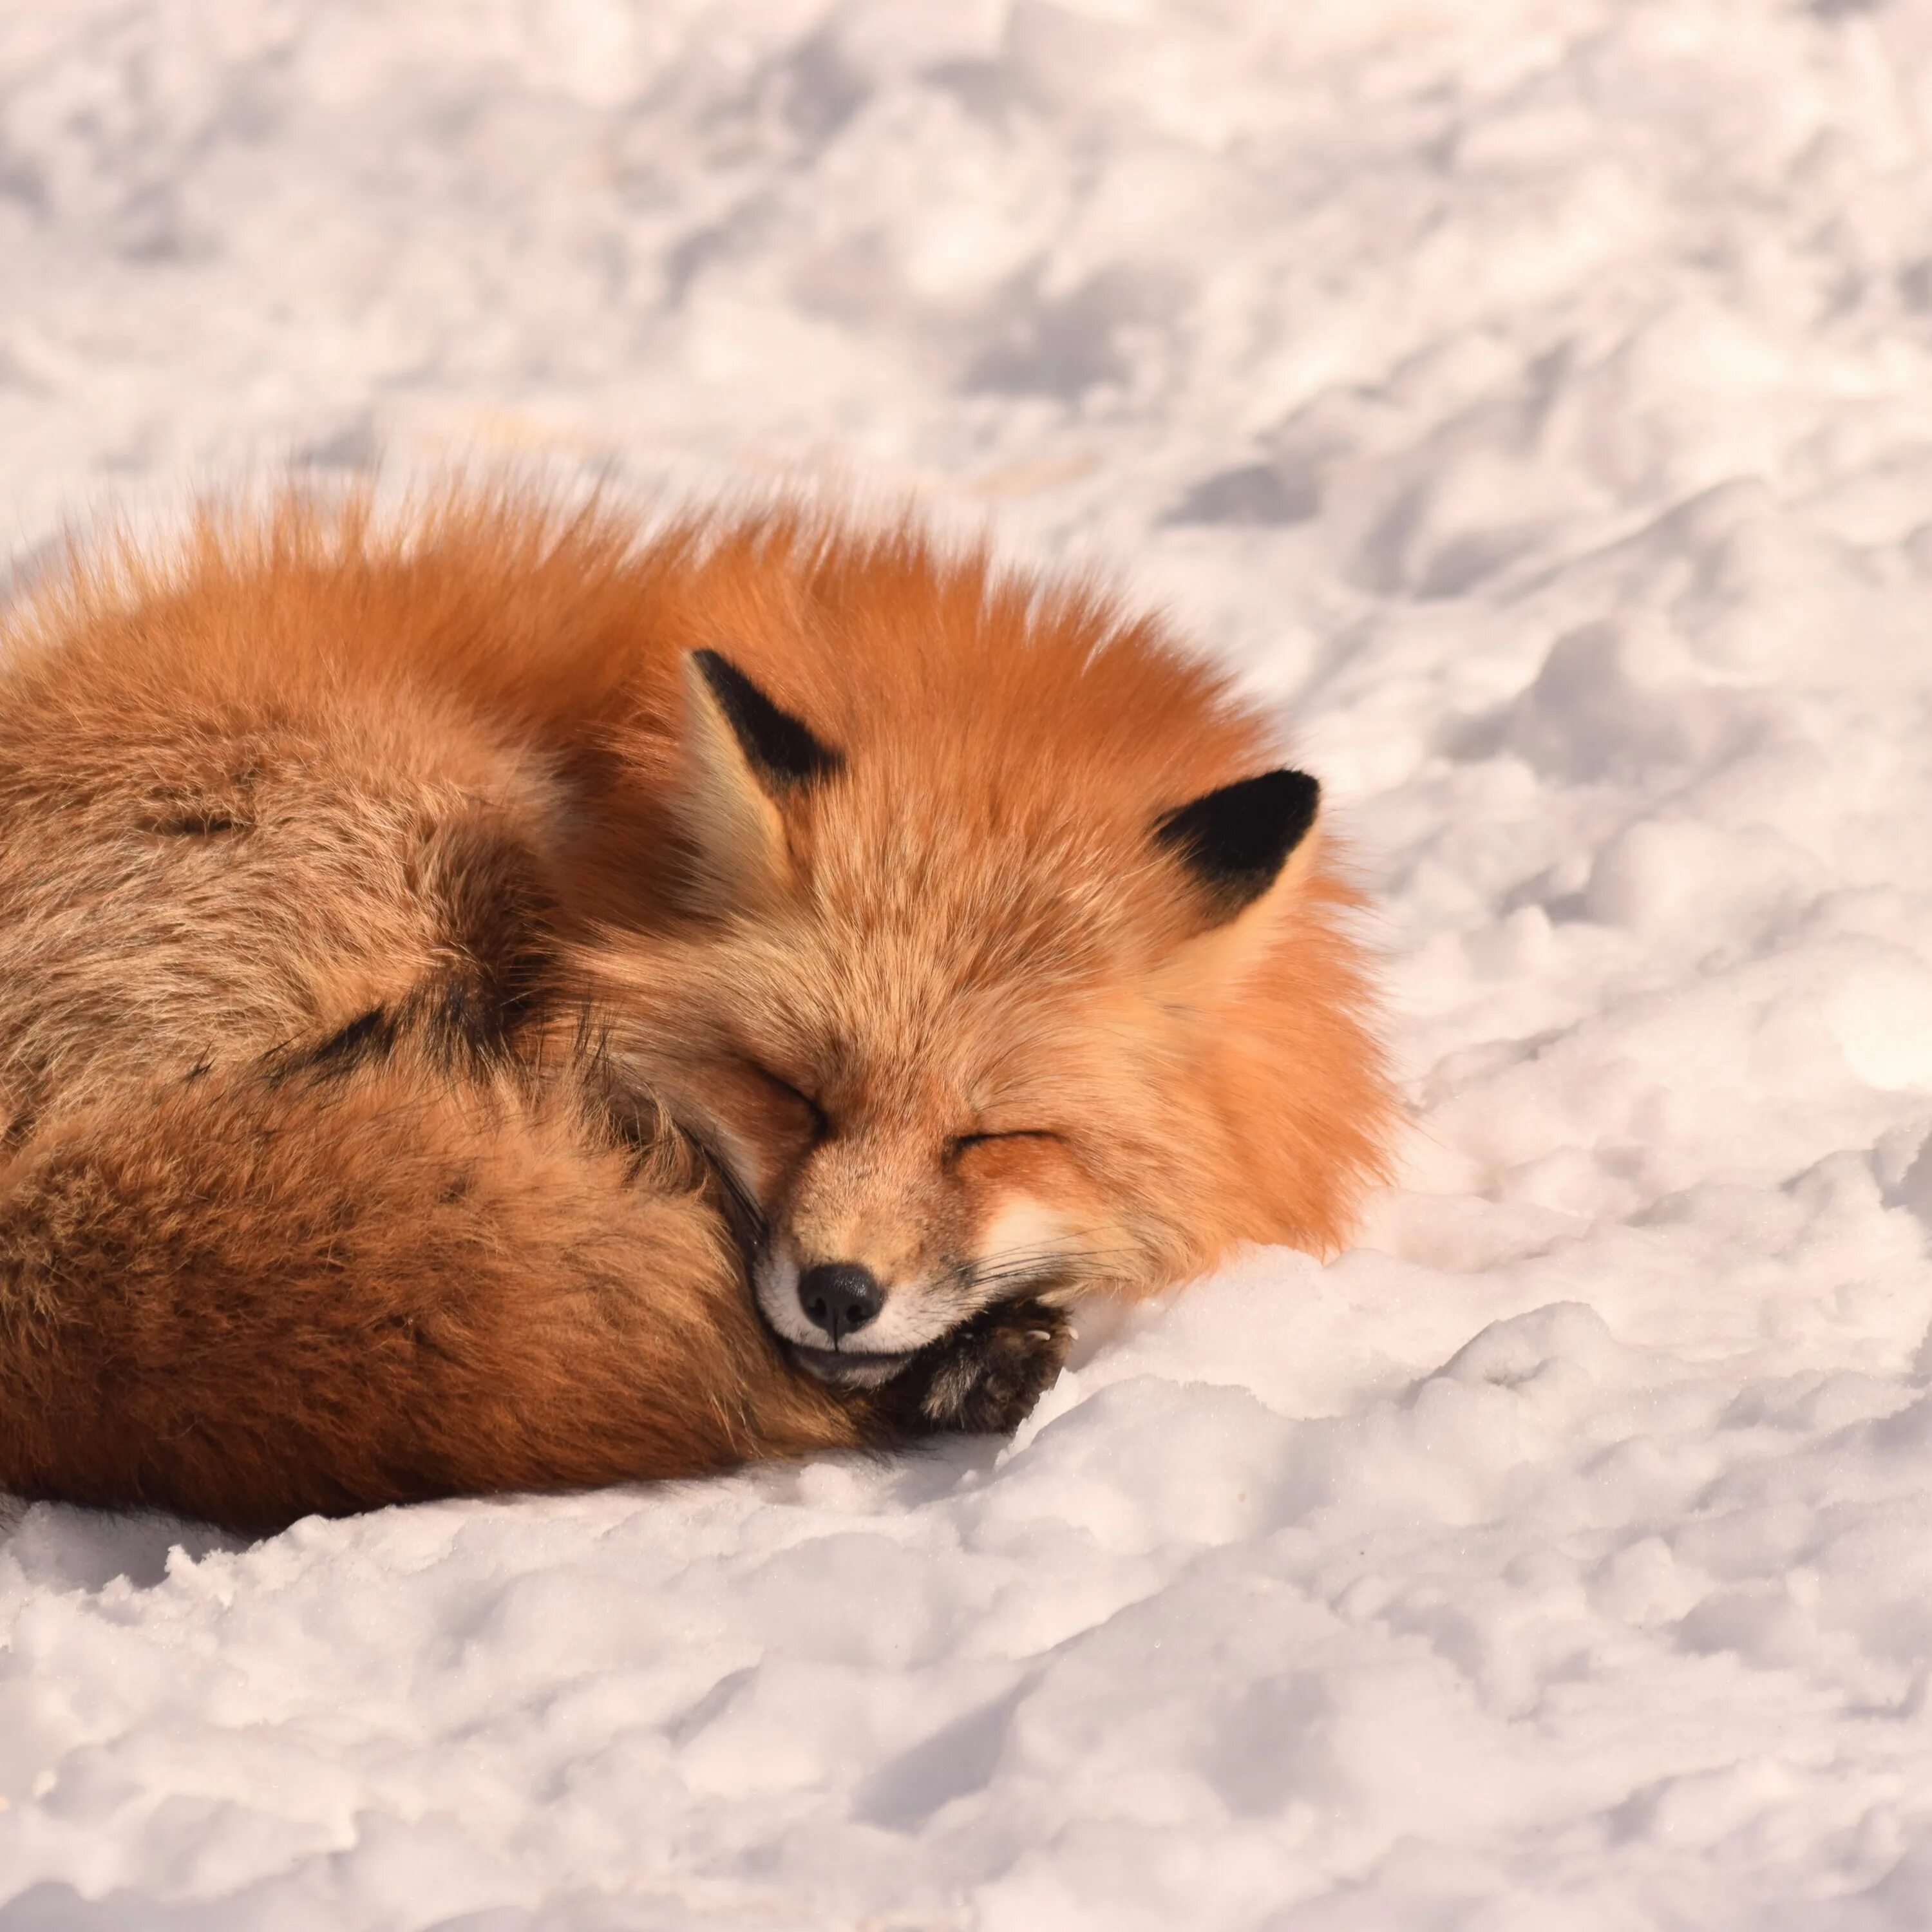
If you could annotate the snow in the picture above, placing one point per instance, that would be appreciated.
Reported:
(1535, 399)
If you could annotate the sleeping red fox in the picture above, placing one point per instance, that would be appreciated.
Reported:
(511, 1003)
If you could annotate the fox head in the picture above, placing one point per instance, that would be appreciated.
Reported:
(1008, 962)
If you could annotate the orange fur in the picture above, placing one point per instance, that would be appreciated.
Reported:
(416, 1009)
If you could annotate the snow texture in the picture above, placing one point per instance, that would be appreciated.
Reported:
(1534, 397)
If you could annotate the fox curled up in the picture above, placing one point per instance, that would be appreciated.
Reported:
(500, 1000)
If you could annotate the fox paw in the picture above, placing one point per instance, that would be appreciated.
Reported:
(984, 1378)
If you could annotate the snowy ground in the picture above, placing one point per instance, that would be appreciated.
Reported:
(1533, 396)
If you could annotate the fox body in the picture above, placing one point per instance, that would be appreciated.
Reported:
(502, 1000)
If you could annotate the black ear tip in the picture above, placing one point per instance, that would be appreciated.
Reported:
(720, 673)
(1236, 840)
(782, 748)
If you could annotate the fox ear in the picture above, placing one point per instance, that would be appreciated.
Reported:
(745, 757)
(779, 747)
(1235, 841)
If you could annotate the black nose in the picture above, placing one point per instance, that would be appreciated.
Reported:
(840, 1297)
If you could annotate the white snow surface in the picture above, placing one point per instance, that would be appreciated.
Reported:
(1534, 398)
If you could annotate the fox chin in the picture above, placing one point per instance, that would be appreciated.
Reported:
(502, 999)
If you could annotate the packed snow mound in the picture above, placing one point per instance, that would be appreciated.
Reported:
(1535, 400)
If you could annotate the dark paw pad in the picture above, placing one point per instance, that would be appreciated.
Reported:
(984, 1378)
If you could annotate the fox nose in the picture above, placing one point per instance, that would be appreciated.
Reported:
(839, 1297)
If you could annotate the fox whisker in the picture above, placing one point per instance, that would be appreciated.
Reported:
(1037, 1268)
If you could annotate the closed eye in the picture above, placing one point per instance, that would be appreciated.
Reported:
(961, 1142)
(821, 1124)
